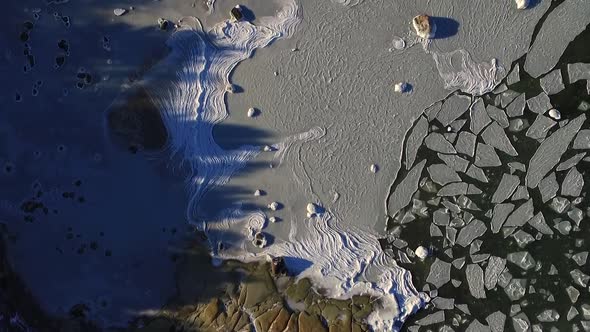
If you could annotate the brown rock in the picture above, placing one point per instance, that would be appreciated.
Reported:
(262, 322)
(278, 266)
(210, 312)
(292, 324)
(280, 322)
(424, 26)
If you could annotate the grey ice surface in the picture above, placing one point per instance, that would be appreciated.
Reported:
(474, 276)
(402, 195)
(540, 127)
(493, 270)
(455, 162)
(522, 259)
(437, 142)
(549, 152)
(496, 321)
(415, 139)
(452, 108)
(486, 156)
(440, 273)
(540, 103)
(555, 34)
(498, 115)
(578, 71)
(548, 187)
(572, 183)
(571, 162)
(466, 143)
(516, 107)
(442, 174)
(472, 231)
(505, 188)
(582, 140)
(477, 173)
(478, 116)
(538, 222)
(552, 83)
(476, 326)
(495, 136)
(501, 212)
(521, 215)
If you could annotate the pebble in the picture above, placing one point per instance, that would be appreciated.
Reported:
(401, 87)
(554, 114)
(421, 252)
(251, 112)
(424, 26)
(259, 240)
(274, 206)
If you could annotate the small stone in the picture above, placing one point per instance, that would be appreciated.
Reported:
(163, 23)
(274, 206)
(424, 26)
(374, 168)
(273, 219)
(267, 148)
(421, 252)
(252, 112)
(547, 316)
(278, 266)
(259, 240)
(440, 273)
(236, 13)
(554, 114)
(313, 210)
(259, 192)
(119, 11)
(573, 293)
(402, 87)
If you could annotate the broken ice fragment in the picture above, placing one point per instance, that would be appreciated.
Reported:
(521, 215)
(498, 115)
(548, 187)
(538, 222)
(516, 107)
(478, 116)
(550, 151)
(476, 173)
(473, 190)
(466, 143)
(582, 140)
(540, 127)
(522, 259)
(259, 240)
(402, 87)
(580, 278)
(564, 227)
(451, 235)
(496, 321)
(505, 188)
(424, 26)
(442, 174)
(458, 263)
(432, 111)
(521, 193)
(501, 212)
(573, 183)
(453, 108)
(495, 267)
(552, 83)
(474, 276)
(578, 71)
(486, 156)
(453, 161)
(453, 189)
(522, 4)
(443, 303)
(539, 104)
(274, 206)
(495, 136)
(571, 162)
(436, 142)
(419, 131)
(435, 318)
(473, 230)
(402, 195)
(547, 316)
(440, 273)
(515, 289)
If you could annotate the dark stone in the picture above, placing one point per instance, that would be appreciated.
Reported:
(236, 13)
(278, 266)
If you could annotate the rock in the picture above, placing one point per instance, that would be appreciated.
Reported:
(493, 270)
(523, 238)
(585, 310)
(522, 4)
(119, 11)
(424, 26)
(453, 189)
(274, 206)
(440, 273)
(559, 204)
(273, 219)
(163, 23)
(251, 112)
(474, 276)
(466, 143)
(443, 303)
(564, 227)
(554, 114)
(455, 162)
(571, 162)
(278, 266)
(476, 326)
(458, 263)
(374, 168)
(313, 210)
(267, 148)
(402, 195)
(521, 193)
(421, 252)
(550, 151)
(259, 240)
(516, 107)
(552, 83)
(308, 322)
(402, 87)
(236, 13)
